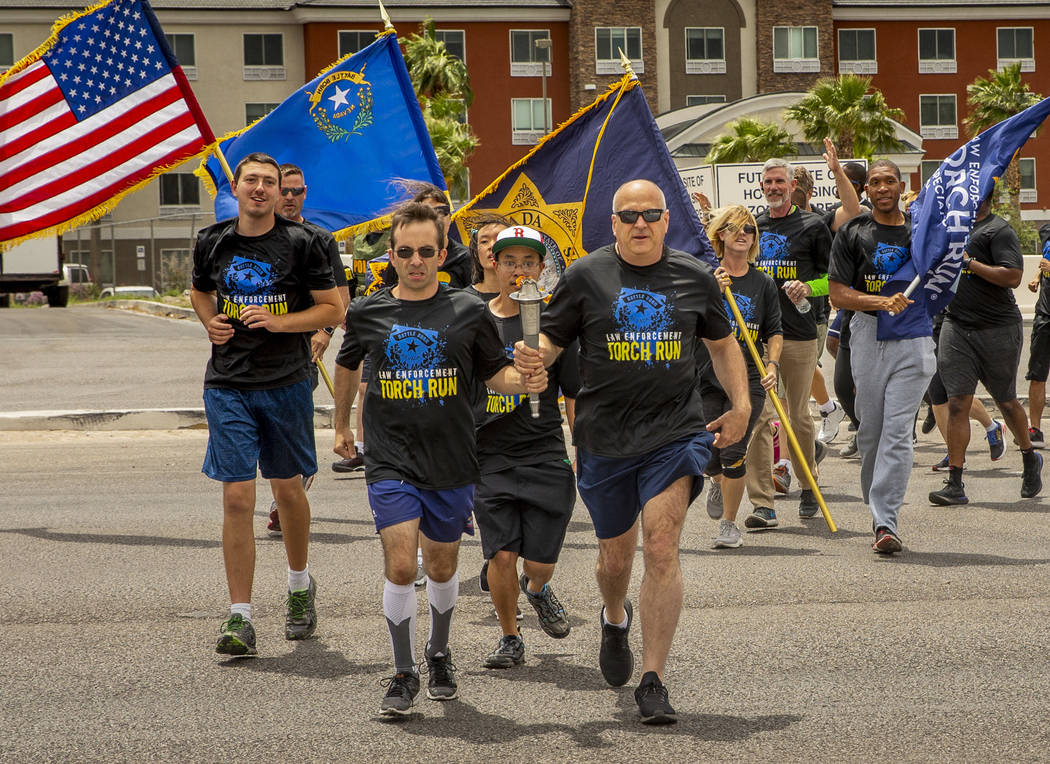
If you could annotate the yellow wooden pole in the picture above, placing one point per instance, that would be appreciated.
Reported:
(324, 375)
(785, 426)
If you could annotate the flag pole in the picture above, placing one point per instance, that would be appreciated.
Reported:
(223, 163)
(324, 375)
(785, 425)
(387, 26)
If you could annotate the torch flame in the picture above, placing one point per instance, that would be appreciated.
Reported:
(518, 281)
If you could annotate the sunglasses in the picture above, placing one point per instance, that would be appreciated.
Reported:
(406, 252)
(293, 191)
(631, 216)
(746, 228)
(443, 209)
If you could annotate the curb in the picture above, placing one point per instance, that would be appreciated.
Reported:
(148, 306)
(131, 419)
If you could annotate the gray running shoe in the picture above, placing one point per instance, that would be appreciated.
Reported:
(400, 694)
(714, 500)
(236, 636)
(807, 505)
(421, 575)
(728, 536)
(553, 620)
(508, 653)
(300, 617)
(850, 450)
(762, 517)
(442, 682)
(651, 697)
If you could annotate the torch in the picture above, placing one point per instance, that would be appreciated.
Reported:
(529, 298)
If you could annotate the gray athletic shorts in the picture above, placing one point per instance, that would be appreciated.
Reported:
(989, 356)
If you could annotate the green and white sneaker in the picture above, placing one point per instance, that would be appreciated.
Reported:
(300, 618)
(236, 637)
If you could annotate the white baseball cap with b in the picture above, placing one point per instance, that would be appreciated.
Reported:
(520, 236)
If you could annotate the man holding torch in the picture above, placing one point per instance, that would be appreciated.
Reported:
(638, 309)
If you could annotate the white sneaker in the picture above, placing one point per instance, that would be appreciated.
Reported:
(421, 575)
(728, 536)
(714, 500)
(830, 423)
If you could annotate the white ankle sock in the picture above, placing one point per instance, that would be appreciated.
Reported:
(299, 580)
(992, 427)
(621, 625)
(243, 609)
(828, 407)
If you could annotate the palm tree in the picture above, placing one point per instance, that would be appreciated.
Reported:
(858, 122)
(751, 140)
(991, 100)
(442, 86)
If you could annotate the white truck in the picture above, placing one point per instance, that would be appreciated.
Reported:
(34, 265)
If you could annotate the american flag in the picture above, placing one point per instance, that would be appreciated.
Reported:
(97, 112)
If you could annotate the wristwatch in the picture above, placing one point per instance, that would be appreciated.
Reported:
(329, 330)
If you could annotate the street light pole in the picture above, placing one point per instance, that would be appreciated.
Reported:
(544, 44)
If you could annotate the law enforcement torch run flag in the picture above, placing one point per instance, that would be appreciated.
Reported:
(95, 112)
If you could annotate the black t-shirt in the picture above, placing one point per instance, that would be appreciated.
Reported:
(867, 253)
(425, 356)
(277, 270)
(457, 271)
(1042, 304)
(979, 303)
(637, 326)
(486, 297)
(756, 297)
(332, 250)
(508, 436)
(795, 247)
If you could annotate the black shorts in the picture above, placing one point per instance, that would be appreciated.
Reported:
(716, 403)
(526, 510)
(989, 356)
(1039, 350)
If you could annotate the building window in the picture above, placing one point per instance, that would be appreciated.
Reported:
(353, 40)
(530, 120)
(526, 60)
(927, 168)
(1016, 44)
(7, 51)
(936, 51)
(179, 189)
(937, 117)
(455, 42)
(609, 41)
(1029, 193)
(256, 111)
(795, 49)
(705, 50)
(857, 51)
(182, 45)
(700, 100)
(264, 57)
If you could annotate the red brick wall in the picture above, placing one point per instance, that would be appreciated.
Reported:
(794, 13)
(588, 14)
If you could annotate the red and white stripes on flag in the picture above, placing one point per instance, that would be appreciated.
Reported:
(97, 114)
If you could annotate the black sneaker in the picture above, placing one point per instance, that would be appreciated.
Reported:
(819, 451)
(483, 577)
(929, 422)
(355, 463)
(236, 636)
(951, 494)
(509, 652)
(762, 517)
(886, 542)
(996, 441)
(1036, 436)
(300, 615)
(548, 609)
(1031, 479)
(651, 697)
(400, 694)
(807, 506)
(615, 657)
(442, 682)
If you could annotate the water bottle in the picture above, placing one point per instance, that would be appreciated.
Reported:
(802, 304)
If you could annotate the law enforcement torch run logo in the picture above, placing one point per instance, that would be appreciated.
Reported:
(341, 105)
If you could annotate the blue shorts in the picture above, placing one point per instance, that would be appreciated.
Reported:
(273, 429)
(443, 515)
(616, 489)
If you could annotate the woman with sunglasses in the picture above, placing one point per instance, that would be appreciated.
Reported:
(734, 235)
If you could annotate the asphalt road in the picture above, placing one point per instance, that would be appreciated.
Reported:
(797, 646)
(800, 645)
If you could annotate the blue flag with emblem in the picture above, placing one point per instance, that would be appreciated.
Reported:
(357, 132)
(564, 186)
(942, 217)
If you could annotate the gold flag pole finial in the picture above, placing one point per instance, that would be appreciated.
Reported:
(387, 26)
(626, 64)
